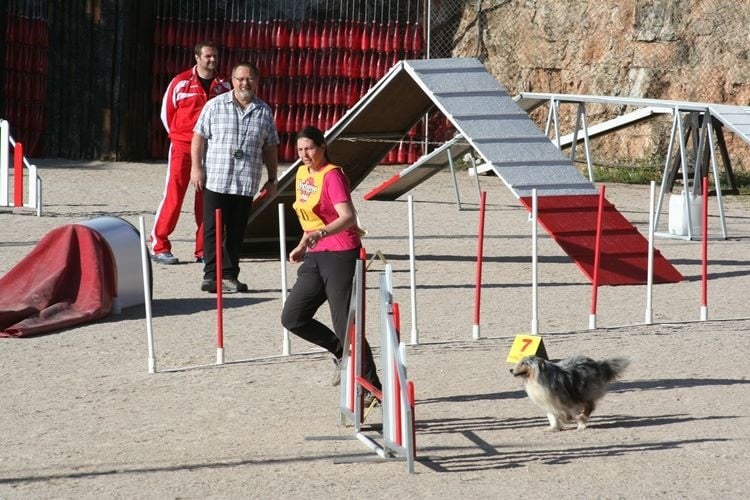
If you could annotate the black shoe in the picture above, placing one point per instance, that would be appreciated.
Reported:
(233, 286)
(208, 286)
(227, 286)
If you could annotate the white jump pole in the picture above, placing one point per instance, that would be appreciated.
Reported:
(412, 274)
(534, 263)
(33, 193)
(147, 297)
(650, 273)
(704, 250)
(286, 346)
(38, 196)
(35, 189)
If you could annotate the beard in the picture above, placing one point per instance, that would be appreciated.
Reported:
(245, 94)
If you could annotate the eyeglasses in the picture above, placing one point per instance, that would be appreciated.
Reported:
(250, 79)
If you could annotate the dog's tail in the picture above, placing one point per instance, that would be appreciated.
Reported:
(614, 367)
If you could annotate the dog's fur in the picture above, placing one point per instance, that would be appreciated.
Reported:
(570, 388)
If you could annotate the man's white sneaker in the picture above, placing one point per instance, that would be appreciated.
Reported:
(165, 258)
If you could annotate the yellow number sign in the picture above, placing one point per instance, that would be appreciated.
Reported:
(526, 345)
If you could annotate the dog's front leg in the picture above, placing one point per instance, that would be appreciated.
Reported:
(554, 423)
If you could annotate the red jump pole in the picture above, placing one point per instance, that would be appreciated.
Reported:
(18, 175)
(597, 250)
(219, 291)
(480, 251)
(704, 253)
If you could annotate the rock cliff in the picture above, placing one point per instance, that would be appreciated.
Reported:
(663, 49)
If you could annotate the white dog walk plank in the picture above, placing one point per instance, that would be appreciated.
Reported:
(737, 118)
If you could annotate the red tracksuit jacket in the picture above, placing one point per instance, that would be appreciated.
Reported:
(183, 102)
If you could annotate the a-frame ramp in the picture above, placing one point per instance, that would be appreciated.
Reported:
(485, 115)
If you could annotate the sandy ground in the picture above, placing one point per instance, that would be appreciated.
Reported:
(83, 418)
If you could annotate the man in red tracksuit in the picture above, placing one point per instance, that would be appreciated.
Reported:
(183, 101)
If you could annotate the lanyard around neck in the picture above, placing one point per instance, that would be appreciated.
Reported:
(242, 133)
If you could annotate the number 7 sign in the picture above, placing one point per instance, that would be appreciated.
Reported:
(526, 345)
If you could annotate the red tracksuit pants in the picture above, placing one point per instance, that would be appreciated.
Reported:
(177, 182)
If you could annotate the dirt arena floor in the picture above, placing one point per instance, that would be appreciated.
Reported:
(83, 418)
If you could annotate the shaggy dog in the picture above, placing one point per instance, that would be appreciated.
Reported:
(570, 388)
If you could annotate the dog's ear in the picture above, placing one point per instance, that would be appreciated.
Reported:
(542, 364)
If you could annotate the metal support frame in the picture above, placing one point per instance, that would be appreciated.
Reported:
(453, 176)
(476, 174)
(581, 124)
(553, 119)
(697, 127)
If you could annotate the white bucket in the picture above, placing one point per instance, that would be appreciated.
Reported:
(125, 242)
(678, 221)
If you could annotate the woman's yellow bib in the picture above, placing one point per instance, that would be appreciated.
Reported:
(308, 188)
